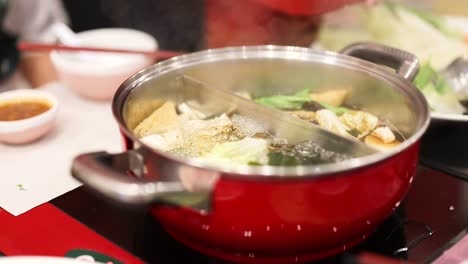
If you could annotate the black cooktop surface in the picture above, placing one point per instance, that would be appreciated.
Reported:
(445, 147)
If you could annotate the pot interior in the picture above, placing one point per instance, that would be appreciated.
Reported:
(266, 71)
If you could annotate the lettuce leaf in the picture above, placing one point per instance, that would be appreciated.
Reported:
(438, 93)
(425, 76)
(442, 102)
(286, 102)
(428, 76)
(339, 110)
(295, 102)
(243, 152)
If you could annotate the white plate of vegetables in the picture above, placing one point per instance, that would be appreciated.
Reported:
(435, 40)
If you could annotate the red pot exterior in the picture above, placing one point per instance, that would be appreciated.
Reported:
(274, 218)
(313, 217)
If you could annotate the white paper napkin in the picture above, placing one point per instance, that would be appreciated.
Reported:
(36, 173)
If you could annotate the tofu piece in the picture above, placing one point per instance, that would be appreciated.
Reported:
(375, 142)
(362, 121)
(137, 110)
(330, 121)
(161, 120)
(333, 97)
(384, 134)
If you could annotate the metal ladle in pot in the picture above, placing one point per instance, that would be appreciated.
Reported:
(211, 101)
(92, 167)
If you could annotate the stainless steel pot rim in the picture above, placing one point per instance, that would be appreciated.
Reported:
(278, 52)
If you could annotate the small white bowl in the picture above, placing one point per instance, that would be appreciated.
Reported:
(97, 75)
(28, 129)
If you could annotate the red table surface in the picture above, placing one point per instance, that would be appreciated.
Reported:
(47, 231)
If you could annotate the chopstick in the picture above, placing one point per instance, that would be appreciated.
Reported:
(158, 54)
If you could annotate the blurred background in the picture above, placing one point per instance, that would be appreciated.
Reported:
(182, 25)
(178, 24)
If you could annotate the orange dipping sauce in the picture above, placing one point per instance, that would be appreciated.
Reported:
(22, 109)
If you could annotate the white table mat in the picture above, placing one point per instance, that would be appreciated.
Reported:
(35, 173)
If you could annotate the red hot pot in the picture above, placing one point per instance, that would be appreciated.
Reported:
(267, 213)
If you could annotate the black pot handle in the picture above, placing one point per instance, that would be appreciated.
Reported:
(404, 63)
(108, 175)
